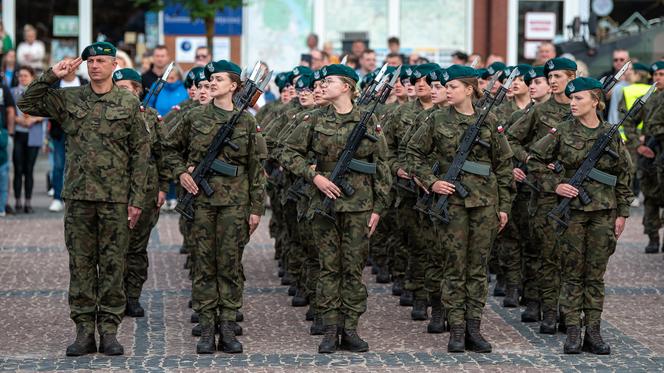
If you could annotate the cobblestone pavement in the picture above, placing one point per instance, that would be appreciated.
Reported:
(36, 327)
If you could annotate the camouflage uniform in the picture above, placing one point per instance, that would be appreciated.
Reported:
(266, 113)
(158, 176)
(521, 135)
(589, 240)
(343, 244)
(220, 226)
(467, 239)
(107, 160)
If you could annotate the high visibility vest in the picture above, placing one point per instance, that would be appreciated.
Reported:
(631, 93)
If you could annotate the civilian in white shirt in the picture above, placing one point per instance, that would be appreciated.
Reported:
(30, 51)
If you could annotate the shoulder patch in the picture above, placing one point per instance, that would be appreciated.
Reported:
(553, 131)
(160, 118)
(501, 129)
(176, 108)
(258, 128)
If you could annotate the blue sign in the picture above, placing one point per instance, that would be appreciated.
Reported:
(178, 22)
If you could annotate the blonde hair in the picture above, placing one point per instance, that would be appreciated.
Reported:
(598, 95)
(471, 82)
(354, 93)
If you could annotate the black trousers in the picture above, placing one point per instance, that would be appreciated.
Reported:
(25, 158)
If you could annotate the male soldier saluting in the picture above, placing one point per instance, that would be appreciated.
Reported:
(107, 158)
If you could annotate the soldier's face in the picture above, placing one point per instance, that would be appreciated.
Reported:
(306, 97)
(318, 92)
(221, 85)
(204, 92)
(285, 96)
(191, 91)
(582, 103)
(333, 87)
(399, 89)
(422, 89)
(457, 92)
(126, 85)
(482, 83)
(539, 87)
(558, 80)
(519, 87)
(100, 68)
(438, 93)
(658, 78)
(410, 89)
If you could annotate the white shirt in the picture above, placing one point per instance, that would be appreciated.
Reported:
(31, 54)
(74, 83)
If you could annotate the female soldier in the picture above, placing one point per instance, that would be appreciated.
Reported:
(223, 221)
(475, 220)
(590, 238)
(136, 270)
(344, 241)
(521, 135)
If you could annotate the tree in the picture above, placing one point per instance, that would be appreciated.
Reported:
(204, 10)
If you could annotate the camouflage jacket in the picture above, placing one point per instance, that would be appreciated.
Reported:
(439, 137)
(158, 174)
(395, 126)
(198, 128)
(536, 125)
(266, 113)
(570, 145)
(107, 139)
(323, 134)
(652, 116)
(276, 125)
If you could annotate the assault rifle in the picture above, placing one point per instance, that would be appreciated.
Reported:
(560, 214)
(346, 161)
(370, 91)
(470, 138)
(251, 90)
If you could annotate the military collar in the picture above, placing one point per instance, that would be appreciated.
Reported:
(332, 116)
(110, 96)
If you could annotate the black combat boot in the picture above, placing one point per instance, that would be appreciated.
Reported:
(292, 290)
(593, 342)
(397, 287)
(383, 276)
(184, 249)
(457, 342)
(287, 279)
(109, 345)
(548, 325)
(133, 308)
(237, 329)
(206, 343)
(85, 342)
(653, 244)
(299, 300)
(374, 269)
(309, 316)
(317, 327)
(239, 316)
(406, 298)
(474, 340)
(227, 341)
(352, 342)
(511, 299)
(419, 311)
(437, 323)
(194, 318)
(499, 289)
(532, 312)
(190, 304)
(281, 273)
(573, 341)
(330, 340)
(187, 262)
(562, 327)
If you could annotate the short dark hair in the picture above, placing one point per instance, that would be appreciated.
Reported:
(394, 54)
(460, 55)
(202, 47)
(161, 46)
(29, 69)
(367, 51)
(393, 40)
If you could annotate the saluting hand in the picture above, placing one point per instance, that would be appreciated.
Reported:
(327, 187)
(63, 68)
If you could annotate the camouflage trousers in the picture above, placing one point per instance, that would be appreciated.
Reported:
(586, 246)
(136, 269)
(97, 236)
(343, 251)
(276, 226)
(652, 203)
(414, 237)
(467, 241)
(220, 233)
(513, 240)
(383, 240)
(546, 239)
(434, 268)
(292, 247)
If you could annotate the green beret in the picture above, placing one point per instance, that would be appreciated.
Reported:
(339, 70)
(127, 74)
(299, 71)
(421, 71)
(190, 80)
(221, 66)
(436, 76)
(458, 72)
(100, 48)
(281, 80)
(534, 72)
(637, 66)
(559, 63)
(406, 72)
(482, 73)
(316, 76)
(657, 66)
(495, 67)
(305, 82)
(582, 84)
(200, 76)
(523, 69)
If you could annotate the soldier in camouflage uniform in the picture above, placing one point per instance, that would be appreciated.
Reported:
(266, 112)
(649, 164)
(223, 221)
(136, 270)
(590, 238)
(521, 135)
(107, 160)
(411, 230)
(344, 242)
(466, 240)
